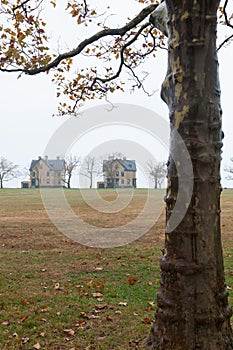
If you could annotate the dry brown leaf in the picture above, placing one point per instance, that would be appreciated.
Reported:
(97, 295)
(89, 317)
(37, 346)
(101, 306)
(80, 323)
(23, 318)
(132, 281)
(109, 318)
(146, 320)
(69, 331)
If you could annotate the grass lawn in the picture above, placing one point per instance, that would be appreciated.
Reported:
(56, 294)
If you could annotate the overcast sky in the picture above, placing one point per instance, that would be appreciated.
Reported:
(27, 104)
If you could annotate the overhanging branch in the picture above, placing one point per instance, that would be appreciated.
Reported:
(103, 33)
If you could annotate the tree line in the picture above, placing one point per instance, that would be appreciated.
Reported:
(90, 167)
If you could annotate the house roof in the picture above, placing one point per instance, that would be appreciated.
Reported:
(53, 164)
(128, 165)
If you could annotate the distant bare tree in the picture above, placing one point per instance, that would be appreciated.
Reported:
(229, 170)
(157, 172)
(90, 167)
(8, 170)
(71, 163)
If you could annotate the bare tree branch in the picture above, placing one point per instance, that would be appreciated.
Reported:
(228, 39)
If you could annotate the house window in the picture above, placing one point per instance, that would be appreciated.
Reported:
(128, 181)
(122, 181)
(122, 173)
(33, 173)
(117, 182)
(117, 173)
(48, 181)
(48, 173)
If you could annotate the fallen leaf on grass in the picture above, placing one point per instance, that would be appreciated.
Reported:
(45, 309)
(101, 306)
(100, 299)
(80, 323)
(97, 295)
(24, 340)
(57, 286)
(69, 331)
(122, 303)
(132, 281)
(5, 323)
(89, 317)
(25, 302)
(90, 283)
(151, 303)
(109, 318)
(37, 346)
(99, 268)
(102, 338)
(146, 320)
(23, 318)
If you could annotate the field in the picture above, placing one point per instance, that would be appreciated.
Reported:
(56, 294)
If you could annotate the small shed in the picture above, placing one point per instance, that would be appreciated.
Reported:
(101, 184)
(25, 184)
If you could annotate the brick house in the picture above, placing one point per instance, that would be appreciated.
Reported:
(119, 173)
(47, 172)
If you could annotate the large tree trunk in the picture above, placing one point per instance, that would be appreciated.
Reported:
(193, 311)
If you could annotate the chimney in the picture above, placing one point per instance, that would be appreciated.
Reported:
(58, 157)
(124, 158)
(46, 158)
(39, 157)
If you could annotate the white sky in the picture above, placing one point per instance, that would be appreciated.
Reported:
(27, 104)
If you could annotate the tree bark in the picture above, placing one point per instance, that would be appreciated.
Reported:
(192, 302)
(156, 182)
